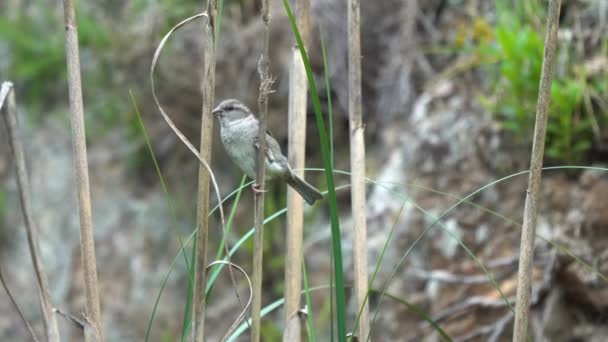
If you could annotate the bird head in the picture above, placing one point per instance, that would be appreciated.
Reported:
(231, 110)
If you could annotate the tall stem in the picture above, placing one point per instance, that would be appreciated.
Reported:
(524, 280)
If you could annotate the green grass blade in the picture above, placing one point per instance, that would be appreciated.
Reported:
(218, 21)
(418, 311)
(167, 198)
(187, 320)
(330, 112)
(371, 282)
(210, 282)
(333, 205)
(220, 249)
(174, 262)
(266, 310)
(309, 311)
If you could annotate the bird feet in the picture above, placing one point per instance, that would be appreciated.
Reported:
(256, 188)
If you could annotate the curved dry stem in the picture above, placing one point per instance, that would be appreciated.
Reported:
(183, 138)
(241, 316)
(177, 132)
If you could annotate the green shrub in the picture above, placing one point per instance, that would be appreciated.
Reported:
(514, 58)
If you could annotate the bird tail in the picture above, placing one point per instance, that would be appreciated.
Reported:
(307, 191)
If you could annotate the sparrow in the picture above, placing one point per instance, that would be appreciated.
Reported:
(239, 130)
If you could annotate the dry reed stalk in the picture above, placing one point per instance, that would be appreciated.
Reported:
(357, 165)
(207, 88)
(31, 229)
(258, 239)
(298, 86)
(295, 204)
(81, 168)
(524, 281)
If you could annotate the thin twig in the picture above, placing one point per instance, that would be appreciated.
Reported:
(14, 302)
(297, 152)
(524, 281)
(357, 165)
(207, 86)
(83, 323)
(81, 167)
(258, 238)
(31, 228)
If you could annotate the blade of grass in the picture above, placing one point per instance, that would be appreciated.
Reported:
(210, 281)
(187, 320)
(371, 282)
(418, 311)
(167, 197)
(161, 179)
(220, 249)
(330, 112)
(174, 262)
(333, 206)
(330, 115)
(309, 311)
(279, 302)
(218, 21)
(466, 200)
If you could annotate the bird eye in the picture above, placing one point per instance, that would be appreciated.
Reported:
(229, 108)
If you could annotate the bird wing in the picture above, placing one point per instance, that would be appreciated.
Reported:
(272, 146)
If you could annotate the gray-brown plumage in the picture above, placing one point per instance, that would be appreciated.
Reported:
(239, 134)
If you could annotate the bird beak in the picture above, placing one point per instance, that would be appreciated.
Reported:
(216, 111)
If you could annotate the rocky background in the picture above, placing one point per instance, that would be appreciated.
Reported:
(435, 133)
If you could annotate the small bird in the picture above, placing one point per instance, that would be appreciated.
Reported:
(239, 133)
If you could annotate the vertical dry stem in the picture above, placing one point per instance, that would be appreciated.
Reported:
(526, 255)
(295, 204)
(357, 165)
(81, 168)
(31, 228)
(258, 239)
(207, 88)
(298, 85)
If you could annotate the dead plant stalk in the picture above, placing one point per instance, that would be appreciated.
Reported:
(526, 255)
(357, 165)
(258, 239)
(298, 86)
(81, 168)
(31, 228)
(207, 87)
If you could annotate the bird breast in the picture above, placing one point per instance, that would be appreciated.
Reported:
(238, 138)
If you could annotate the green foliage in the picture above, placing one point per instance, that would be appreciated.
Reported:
(515, 55)
(569, 134)
(35, 40)
(36, 63)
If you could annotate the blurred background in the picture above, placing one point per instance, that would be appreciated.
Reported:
(449, 96)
